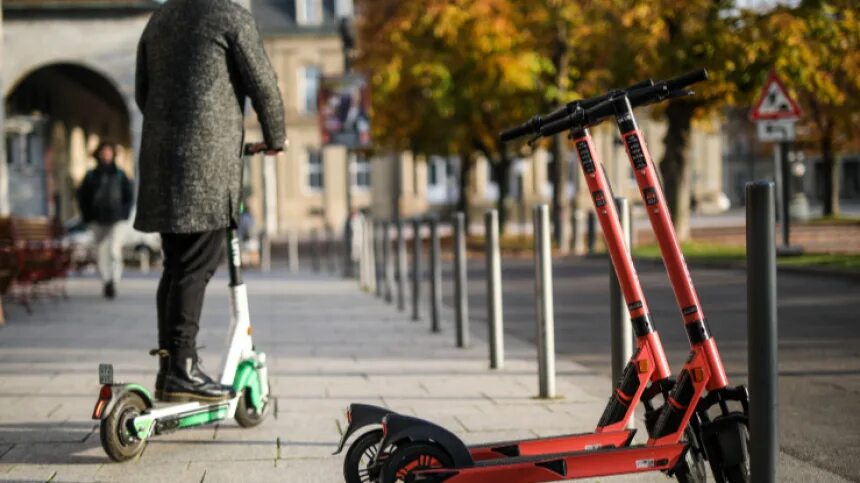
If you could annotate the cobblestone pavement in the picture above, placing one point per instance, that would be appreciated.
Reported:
(328, 343)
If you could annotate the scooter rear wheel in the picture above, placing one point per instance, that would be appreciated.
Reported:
(412, 457)
(119, 439)
(246, 414)
(360, 463)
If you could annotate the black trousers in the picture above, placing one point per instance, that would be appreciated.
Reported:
(190, 260)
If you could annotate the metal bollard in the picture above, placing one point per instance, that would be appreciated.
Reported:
(371, 260)
(762, 332)
(621, 332)
(387, 267)
(461, 298)
(348, 233)
(494, 290)
(544, 304)
(416, 269)
(315, 251)
(265, 252)
(377, 258)
(401, 267)
(330, 249)
(591, 233)
(436, 276)
(294, 250)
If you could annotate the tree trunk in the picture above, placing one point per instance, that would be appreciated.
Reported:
(675, 168)
(830, 201)
(501, 172)
(560, 209)
(463, 182)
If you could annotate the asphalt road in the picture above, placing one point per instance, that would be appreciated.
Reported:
(819, 339)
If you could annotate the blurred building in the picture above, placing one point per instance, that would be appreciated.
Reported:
(68, 82)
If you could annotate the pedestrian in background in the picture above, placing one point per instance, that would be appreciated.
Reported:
(105, 198)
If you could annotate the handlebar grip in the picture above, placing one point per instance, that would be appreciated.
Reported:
(687, 79)
(515, 132)
(560, 125)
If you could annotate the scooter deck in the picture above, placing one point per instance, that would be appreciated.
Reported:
(563, 443)
(563, 466)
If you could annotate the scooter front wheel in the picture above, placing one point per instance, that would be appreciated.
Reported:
(119, 439)
(247, 415)
(413, 457)
(360, 464)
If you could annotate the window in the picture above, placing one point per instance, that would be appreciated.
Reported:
(343, 8)
(315, 170)
(309, 81)
(309, 12)
(362, 172)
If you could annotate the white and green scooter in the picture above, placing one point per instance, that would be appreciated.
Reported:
(129, 415)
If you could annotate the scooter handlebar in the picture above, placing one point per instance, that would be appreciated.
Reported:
(588, 116)
(535, 124)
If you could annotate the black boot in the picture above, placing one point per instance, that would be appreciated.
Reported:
(109, 290)
(163, 365)
(184, 381)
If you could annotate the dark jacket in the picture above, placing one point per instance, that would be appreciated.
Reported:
(105, 195)
(197, 61)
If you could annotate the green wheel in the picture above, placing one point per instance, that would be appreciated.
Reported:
(247, 415)
(360, 464)
(411, 457)
(119, 439)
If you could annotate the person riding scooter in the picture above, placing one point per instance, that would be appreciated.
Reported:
(197, 61)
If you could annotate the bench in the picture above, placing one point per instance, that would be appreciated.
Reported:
(38, 255)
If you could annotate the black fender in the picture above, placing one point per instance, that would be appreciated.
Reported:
(117, 391)
(361, 416)
(400, 429)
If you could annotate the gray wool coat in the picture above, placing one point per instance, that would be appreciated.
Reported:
(197, 61)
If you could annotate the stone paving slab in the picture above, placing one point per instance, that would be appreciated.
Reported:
(328, 344)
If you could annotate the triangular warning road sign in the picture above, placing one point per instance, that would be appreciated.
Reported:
(774, 102)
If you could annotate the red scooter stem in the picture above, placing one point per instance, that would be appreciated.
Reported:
(648, 363)
(622, 262)
(661, 222)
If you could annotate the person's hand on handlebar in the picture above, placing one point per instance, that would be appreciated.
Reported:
(254, 148)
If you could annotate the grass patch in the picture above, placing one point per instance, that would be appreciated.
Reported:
(831, 260)
(840, 220)
(696, 251)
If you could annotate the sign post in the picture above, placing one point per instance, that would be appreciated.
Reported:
(776, 114)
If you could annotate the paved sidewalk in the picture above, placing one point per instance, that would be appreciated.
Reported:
(328, 343)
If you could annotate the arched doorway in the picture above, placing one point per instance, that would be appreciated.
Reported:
(57, 114)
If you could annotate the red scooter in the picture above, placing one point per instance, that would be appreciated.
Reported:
(645, 376)
(416, 450)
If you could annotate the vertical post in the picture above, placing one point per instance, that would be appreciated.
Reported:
(401, 267)
(416, 269)
(762, 332)
(294, 250)
(461, 302)
(265, 252)
(544, 304)
(388, 268)
(494, 290)
(371, 260)
(591, 234)
(378, 258)
(621, 332)
(330, 249)
(786, 192)
(315, 251)
(348, 234)
(436, 274)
